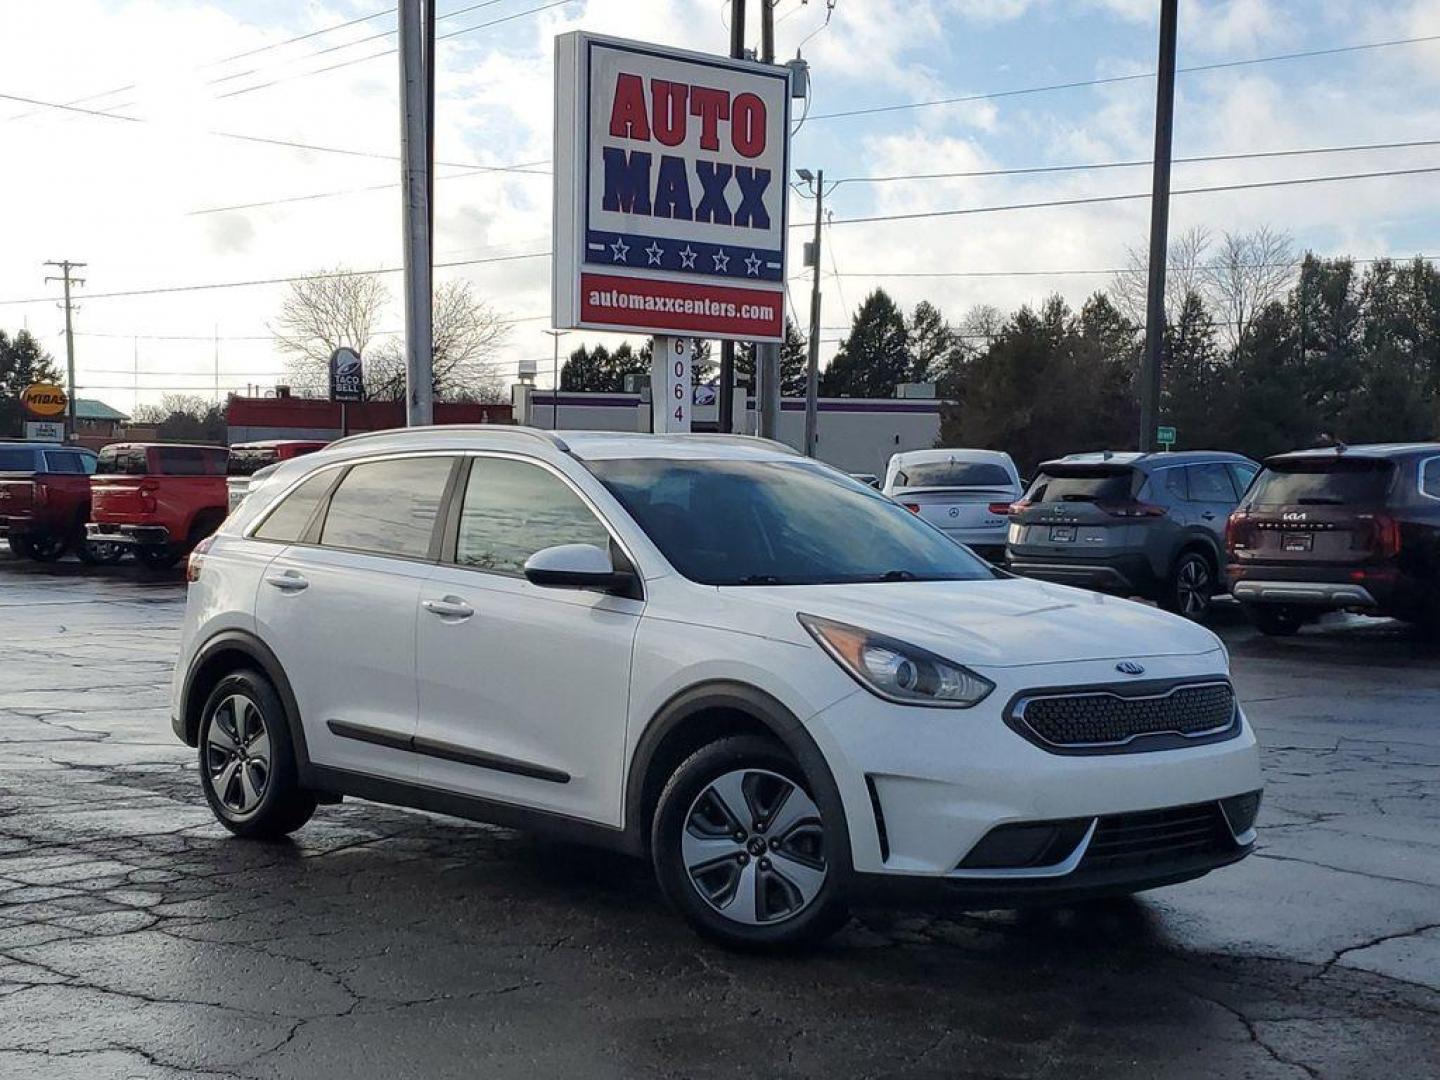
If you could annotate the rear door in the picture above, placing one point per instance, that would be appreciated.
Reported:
(1212, 495)
(339, 608)
(1316, 511)
(1082, 511)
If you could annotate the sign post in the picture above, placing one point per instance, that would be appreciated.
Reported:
(670, 365)
(347, 382)
(1165, 436)
(670, 190)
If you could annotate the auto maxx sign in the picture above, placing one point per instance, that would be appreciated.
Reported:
(670, 174)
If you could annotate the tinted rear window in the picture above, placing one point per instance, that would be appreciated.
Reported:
(1109, 486)
(17, 460)
(952, 474)
(1430, 478)
(129, 462)
(1333, 483)
(190, 461)
(250, 460)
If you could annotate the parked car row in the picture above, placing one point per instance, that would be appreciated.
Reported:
(1340, 528)
(155, 500)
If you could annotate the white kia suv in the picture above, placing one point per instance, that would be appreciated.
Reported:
(784, 689)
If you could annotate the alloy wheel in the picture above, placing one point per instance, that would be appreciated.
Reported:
(237, 755)
(753, 847)
(1193, 587)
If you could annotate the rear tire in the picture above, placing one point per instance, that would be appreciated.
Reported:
(740, 847)
(1191, 586)
(19, 546)
(247, 760)
(1276, 620)
(47, 548)
(157, 558)
(99, 552)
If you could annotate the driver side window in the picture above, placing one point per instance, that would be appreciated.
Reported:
(513, 509)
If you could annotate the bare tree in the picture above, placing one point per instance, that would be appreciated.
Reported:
(981, 325)
(320, 314)
(1186, 272)
(1250, 271)
(467, 333)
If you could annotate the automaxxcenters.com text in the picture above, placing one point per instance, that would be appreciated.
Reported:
(617, 299)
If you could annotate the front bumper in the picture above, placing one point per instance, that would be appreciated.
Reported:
(922, 787)
(135, 535)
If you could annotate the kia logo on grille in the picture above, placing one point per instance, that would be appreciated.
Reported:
(1130, 667)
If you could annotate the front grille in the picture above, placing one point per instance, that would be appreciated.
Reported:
(1101, 719)
(1157, 836)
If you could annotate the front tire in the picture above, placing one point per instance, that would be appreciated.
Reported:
(247, 760)
(1191, 587)
(740, 846)
(1276, 620)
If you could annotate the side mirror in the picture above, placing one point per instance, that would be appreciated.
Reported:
(579, 566)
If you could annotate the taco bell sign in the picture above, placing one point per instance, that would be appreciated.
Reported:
(670, 172)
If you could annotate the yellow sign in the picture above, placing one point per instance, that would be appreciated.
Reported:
(43, 399)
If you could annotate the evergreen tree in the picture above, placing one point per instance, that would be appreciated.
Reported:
(875, 356)
(935, 347)
(22, 362)
(794, 362)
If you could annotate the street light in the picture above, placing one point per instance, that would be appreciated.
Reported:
(816, 184)
(555, 335)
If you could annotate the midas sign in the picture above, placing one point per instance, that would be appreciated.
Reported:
(43, 399)
(670, 174)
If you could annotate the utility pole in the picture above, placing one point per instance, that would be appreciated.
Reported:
(727, 348)
(1159, 227)
(66, 268)
(812, 365)
(767, 355)
(415, 169)
(555, 336)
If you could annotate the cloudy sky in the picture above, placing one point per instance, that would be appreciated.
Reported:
(175, 186)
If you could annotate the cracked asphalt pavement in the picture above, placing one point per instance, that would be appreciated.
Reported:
(139, 939)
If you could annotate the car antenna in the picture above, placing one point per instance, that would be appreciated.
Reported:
(1327, 439)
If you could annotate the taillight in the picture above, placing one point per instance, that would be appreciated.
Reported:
(39, 496)
(147, 495)
(1238, 531)
(1002, 508)
(1382, 537)
(197, 559)
(914, 508)
(1133, 510)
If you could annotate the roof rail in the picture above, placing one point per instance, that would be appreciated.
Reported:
(489, 429)
(721, 437)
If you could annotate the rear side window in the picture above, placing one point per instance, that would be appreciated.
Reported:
(1329, 483)
(1430, 478)
(1210, 483)
(17, 460)
(286, 523)
(513, 509)
(1243, 475)
(387, 507)
(952, 474)
(190, 461)
(1109, 486)
(64, 461)
(129, 461)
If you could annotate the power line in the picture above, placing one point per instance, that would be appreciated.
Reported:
(1068, 272)
(1093, 199)
(1138, 163)
(158, 290)
(1108, 80)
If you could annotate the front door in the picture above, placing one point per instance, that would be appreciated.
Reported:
(523, 690)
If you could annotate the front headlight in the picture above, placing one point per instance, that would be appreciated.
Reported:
(895, 670)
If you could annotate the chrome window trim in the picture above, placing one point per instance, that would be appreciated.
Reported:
(1018, 712)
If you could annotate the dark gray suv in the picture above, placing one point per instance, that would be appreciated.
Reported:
(1150, 525)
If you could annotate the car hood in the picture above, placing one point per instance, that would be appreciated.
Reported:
(1008, 622)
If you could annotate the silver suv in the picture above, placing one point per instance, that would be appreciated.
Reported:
(1149, 525)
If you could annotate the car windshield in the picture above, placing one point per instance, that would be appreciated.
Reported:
(1322, 483)
(1097, 486)
(952, 474)
(780, 523)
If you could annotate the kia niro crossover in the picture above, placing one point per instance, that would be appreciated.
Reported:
(785, 690)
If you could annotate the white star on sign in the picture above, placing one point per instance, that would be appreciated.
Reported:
(687, 258)
(654, 251)
(752, 265)
(722, 263)
(621, 249)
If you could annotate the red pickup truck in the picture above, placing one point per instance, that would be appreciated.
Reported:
(45, 502)
(159, 499)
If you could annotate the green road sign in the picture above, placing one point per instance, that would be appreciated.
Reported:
(1165, 436)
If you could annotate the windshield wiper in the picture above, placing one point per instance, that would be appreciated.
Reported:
(899, 575)
(758, 579)
(1319, 500)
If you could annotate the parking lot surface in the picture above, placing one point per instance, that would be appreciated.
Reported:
(139, 939)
